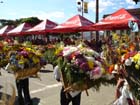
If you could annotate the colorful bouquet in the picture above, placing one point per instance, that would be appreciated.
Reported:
(50, 54)
(4, 48)
(82, 68)
(25, 61)
(132, 66)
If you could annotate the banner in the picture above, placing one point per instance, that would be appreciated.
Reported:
(85, 7)
(133, 26)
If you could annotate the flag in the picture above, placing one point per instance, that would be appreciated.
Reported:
(85, 7)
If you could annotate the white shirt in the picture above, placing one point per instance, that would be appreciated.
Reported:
(125, 94)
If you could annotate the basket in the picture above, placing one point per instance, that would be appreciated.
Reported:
(76, 86)
(21, 74)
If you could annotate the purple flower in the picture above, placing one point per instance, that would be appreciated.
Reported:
(84, 66)
(24, 53)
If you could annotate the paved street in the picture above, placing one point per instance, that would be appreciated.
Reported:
(46, 91)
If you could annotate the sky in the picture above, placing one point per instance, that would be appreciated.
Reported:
(59, 10)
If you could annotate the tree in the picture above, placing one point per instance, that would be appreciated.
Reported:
(31, 20)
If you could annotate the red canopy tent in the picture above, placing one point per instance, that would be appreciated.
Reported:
(117, 20)
(75, 24)
(43, 27)
(19, 30)
(5, 29)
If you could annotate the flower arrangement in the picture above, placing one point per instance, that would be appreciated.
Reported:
(25, 60)
(4, 49)
(50, 53)
(82, 68)
(132, 66)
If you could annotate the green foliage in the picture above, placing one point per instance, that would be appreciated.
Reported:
(31, 20)
(134, 79)
(78, 79)
(7, 22)
(50, 56)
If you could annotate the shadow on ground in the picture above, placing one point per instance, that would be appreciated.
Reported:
(1, 87)
(45, 71)
(35, 101)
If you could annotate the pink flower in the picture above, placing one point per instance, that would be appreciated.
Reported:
(96, 73)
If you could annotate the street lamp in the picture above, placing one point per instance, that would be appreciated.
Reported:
(81, 4)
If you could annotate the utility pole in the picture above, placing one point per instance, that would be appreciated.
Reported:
(97, 19)
(82, 7)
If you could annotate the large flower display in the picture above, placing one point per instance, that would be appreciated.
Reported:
(82, 68)
(23, 60)
(131, 61)
(4, 48)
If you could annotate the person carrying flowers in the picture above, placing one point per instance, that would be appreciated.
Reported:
(22, 85)
(123, 94)
(66, 97)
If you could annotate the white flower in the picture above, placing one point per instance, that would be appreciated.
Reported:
(90, 58)
(116, 67)
(80, 46)
(128, 62)
(98, 63)
(68, 50)
(122, 58)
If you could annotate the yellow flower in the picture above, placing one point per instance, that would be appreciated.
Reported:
(90, 64)
(58, 51)
(136, 57)
(21, 61)
(103, 71)
(137, 66)
(35, 60)
(115, 37)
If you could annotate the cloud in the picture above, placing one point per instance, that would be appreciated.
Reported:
(131, 7)
(103, 5)
(122, 3)
(48, 15)
(40, 14)
(130, 2)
